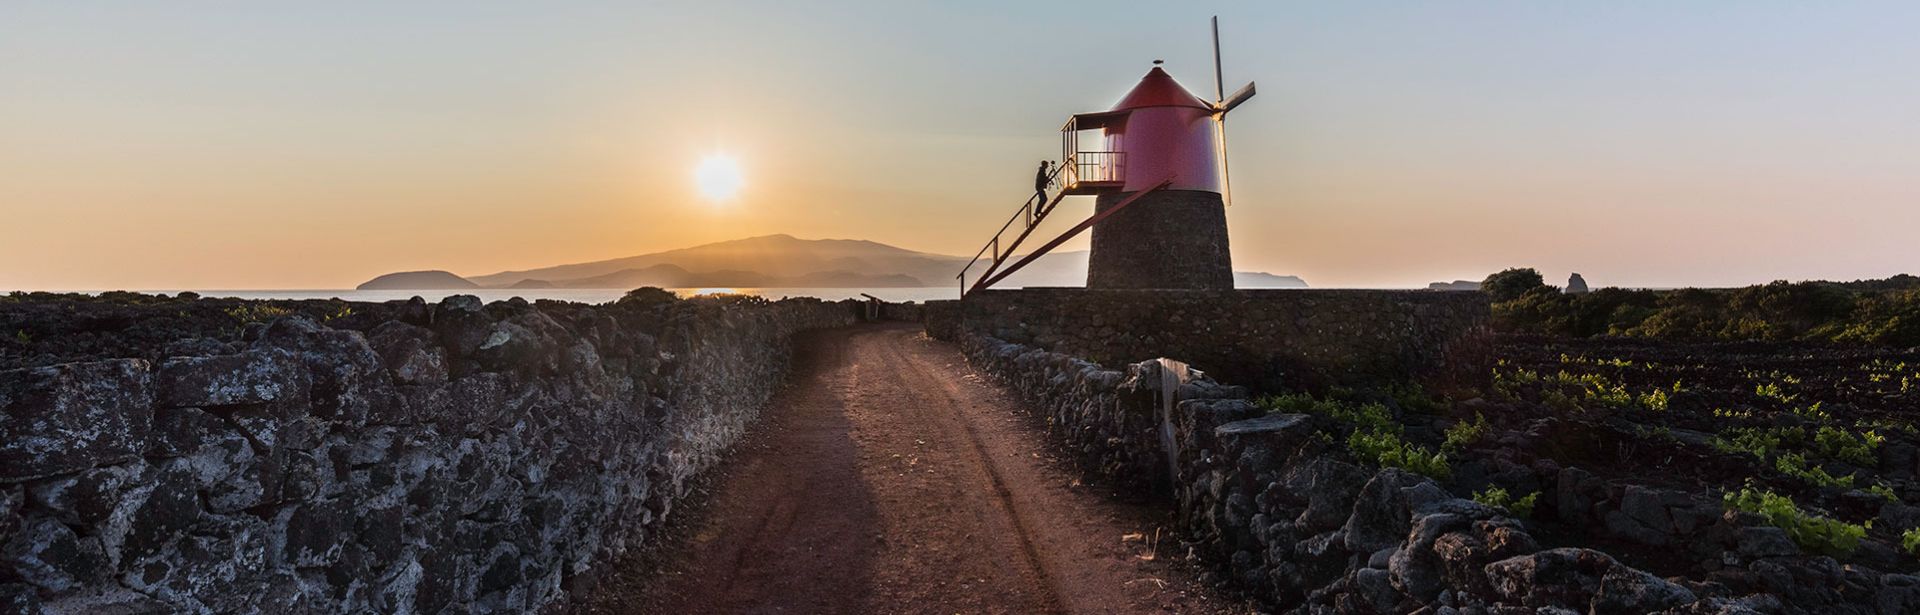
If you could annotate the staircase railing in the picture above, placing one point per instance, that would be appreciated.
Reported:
(989, 279)
(1033, 212)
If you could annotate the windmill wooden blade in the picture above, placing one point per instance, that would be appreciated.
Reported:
(1226, 172)
(1219, 82)
(1239, 96)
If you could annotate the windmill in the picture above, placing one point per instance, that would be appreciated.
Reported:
(1159, 180)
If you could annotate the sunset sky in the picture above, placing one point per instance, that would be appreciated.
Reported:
(235, 145)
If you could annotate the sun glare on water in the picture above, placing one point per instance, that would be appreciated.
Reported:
(718, 177)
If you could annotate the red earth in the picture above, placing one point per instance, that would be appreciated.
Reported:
(889, 477)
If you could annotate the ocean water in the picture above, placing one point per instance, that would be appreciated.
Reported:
(579, 295)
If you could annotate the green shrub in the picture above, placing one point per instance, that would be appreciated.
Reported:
(1388, 450)
(1887, 424)
(1464, 433)
(1376, 435)
(1757, 441)
(1910, 540)
(1812, 413)
(1885, 492)
(257, 312)
(1812, 532)
(1843, 445)
(1498, 498)
(341, 311)
(1367, 417)
(1511, 284)
(647, 296)
(1655, 400)
(1772, 391)
(1883, 312)
(1795, 465)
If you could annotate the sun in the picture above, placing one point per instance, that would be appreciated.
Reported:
(718, 177)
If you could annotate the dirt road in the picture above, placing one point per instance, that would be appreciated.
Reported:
(889, 478)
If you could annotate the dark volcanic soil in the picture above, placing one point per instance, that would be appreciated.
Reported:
(890, 479)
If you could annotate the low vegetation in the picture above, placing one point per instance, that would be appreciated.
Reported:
(1812, 532)
(258, 312)
(1881, 312)
(1376, 437)
(1499, 498)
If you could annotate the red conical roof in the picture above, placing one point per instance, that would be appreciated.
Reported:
(1158, 89)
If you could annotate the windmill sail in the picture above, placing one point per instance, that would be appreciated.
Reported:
(1221, 105)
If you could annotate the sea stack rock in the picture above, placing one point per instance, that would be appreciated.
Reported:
(1576, 285)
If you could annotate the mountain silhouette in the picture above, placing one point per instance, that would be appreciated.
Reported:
(772, 261)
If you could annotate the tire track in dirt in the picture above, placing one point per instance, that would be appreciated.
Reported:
(889, 478)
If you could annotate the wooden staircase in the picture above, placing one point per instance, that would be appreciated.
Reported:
(1033, 212)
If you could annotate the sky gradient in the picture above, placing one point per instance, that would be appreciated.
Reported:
(238, 145)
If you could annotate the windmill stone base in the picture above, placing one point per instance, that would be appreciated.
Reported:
(1173, 239)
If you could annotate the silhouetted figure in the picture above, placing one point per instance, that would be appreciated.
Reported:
(1040, 180)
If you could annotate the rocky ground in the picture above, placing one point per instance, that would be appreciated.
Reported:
(1778, 475)
(1580, 477)
(1637, 445)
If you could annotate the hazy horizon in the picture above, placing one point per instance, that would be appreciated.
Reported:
(241, 146)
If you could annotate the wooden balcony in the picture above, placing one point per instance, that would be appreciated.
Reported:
(1093, 172)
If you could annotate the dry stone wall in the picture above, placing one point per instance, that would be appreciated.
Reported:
(1282, 513)
(404, 458)
(1269, 339)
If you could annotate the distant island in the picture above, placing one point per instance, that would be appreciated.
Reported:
(777, 261)
(418, 280)
(1456, 285)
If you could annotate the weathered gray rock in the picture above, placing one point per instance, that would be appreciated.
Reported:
(1285, 427)
(252, 377)
(12, 502)
(410, 353)
(66, 418)
(1576, 285)
(106, 601)
(1626, 590)
(48, 555)
(350, 384)
(150, 515)
(461, 324)
(1334, 486)
(182, 431)
(1415, 566)
(1765, 541)
(18, 598)
(1576, 492)
(215, 571)
(1551, 577)
(1381, 515)
(86, 497)
(1898, 593)
(1376, 589)
(311, 533)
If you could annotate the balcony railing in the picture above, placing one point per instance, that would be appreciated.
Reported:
(1095, 167)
